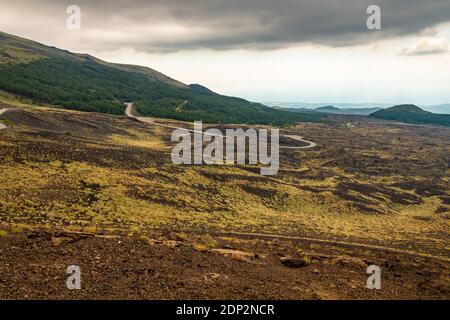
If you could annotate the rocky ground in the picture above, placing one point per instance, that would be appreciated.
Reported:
(101, 192)
(167, 265)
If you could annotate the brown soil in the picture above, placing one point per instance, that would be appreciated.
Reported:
(167, 265)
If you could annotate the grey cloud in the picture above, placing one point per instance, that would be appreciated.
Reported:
(250, 24)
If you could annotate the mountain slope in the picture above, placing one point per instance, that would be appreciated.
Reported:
(409, 113)
(200, 89)
(78, 81)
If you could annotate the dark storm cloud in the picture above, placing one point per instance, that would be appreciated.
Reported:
(251, 24)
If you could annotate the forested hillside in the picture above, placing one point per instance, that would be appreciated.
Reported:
(81, 82)
(409, 113)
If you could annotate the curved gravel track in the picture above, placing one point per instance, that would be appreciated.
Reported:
(149, 120)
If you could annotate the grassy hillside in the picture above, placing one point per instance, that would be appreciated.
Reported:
(412, 114)
(81, 82)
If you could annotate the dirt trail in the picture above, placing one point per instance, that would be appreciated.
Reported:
(3, 126)
(337, 243)
(298, 138)
(129, 113)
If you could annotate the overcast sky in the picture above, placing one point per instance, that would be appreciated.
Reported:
(262, 50)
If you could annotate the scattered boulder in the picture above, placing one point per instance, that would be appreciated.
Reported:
(172, 243)
(213, 276)
(238, 255)
(39, 235)
(161, 242)
(300, 262)
(349, 262)
(61, 237)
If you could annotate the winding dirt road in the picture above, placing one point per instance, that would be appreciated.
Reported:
(129, 113)
(298, 138)
(3, 126)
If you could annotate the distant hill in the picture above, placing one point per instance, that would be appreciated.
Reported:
(409, 113)
(347, 111)
(331, 110)
(78, 81)
(327, 109)
(298, 110)
(367, 107)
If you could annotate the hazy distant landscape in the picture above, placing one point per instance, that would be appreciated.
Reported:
(442, 108)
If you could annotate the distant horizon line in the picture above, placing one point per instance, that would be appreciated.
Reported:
(375, 104)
